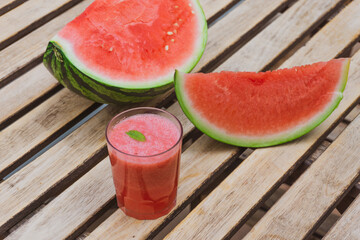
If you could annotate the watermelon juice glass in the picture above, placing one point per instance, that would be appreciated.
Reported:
(145, 171)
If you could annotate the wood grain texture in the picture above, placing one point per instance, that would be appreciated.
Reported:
(76, 157)
(112, 222)
(31, 130)
(7, 5)
(67, 205)
(342, 31)
(59, 218)
(315, 192)
(282, 33)
(70, 207)
(254, 179)
(185, 122)
(33, 45)
(89, 138)
(209, 156)
(353, 114)
(336, 131)
(214, 6)
(4, 3)
(231, 29)
(25, 90)
(28, 13)
(24, 188)
(348, 226)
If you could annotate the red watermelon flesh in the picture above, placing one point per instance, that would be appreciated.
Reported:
(134, 41)
(261, 109)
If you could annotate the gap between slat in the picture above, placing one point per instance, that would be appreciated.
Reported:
(38, 23)
(27, 109)
(11, 5)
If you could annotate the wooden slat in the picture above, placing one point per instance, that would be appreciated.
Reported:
(345, 35)
(28, 16)
(336, 131)
(116, 219)
(31, 47)
(185, 122)
(7, 5)
(232, 29)
(29, 132)
(87, 196)
(24, 91)
(209, 156)
(79, 148)
(353, 114)
(26, 188)
(58, 220)
(348, 226)
(75, 205)
(94, 148)
(245, 189)
(178, 109)
(214, 6)
(31, 143)
(13, 57)
(316, 192)
(228, 20)
(295, 23)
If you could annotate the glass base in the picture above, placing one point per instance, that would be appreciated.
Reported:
(147, 216)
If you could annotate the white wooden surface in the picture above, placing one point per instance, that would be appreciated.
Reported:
(27, 13)
(315, 192)
(284, 31)
(348, 226)
(33, 45)
(35, 127)
(254, 178)
(261, 170)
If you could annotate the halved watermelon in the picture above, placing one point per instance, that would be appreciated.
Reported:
(262, 109)
(127, 51)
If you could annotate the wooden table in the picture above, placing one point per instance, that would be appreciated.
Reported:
(56, 179)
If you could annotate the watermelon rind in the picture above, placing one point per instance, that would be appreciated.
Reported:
(60, 60)
(262, 141)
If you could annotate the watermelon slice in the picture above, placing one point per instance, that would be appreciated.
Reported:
(127, 51)
(262, 109)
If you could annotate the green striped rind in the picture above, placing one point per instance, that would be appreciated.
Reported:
(72, 78)
(261, 141)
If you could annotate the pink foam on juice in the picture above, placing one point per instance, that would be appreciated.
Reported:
(160, 133)
(146, 180)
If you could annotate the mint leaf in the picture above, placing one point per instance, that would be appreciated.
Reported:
(138, 136)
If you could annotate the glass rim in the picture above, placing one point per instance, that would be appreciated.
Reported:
(144, 108)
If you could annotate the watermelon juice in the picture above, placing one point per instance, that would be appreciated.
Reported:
(144, 147)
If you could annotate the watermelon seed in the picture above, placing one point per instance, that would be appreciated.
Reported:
(180, 19)
(166, 47)
(111, 49)
(192, 12)
(176, 6)
(175, 31)
(169, 33)
(173, 40)
(190, 5)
